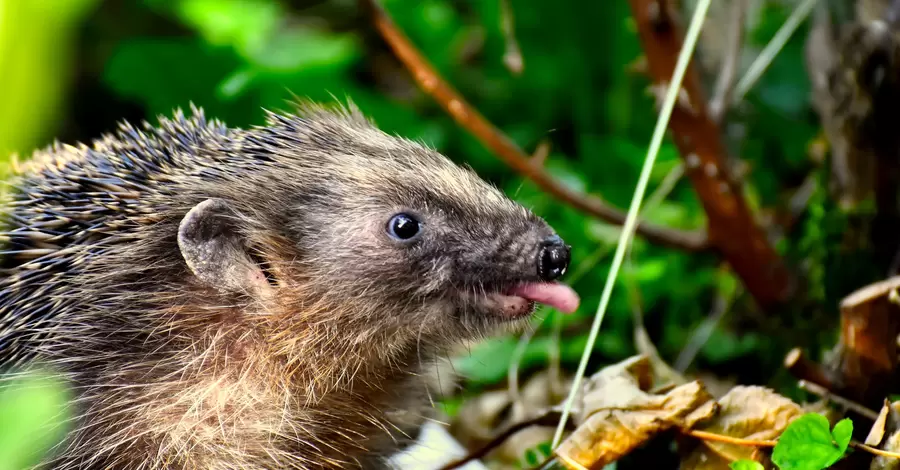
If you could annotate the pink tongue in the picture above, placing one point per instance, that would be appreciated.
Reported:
(558, 296)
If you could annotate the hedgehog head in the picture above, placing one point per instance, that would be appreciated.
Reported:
(384, 232)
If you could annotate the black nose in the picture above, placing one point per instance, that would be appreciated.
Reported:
(553, 259)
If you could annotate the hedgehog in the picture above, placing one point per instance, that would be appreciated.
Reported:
(259, 298)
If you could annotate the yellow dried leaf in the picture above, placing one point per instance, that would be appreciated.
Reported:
(617, 414)
(876, 434)
(888, 436)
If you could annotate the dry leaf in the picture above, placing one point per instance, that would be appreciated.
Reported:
(876, 434)
(617, 414)
(888, 423)
(892, 444)
(754, 413)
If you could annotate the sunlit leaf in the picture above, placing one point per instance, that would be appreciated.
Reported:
(808, 444)
(244, 24)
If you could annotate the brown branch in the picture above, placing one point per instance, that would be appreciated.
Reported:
(501, 145)
(732, 229)
(701, 334)
(826, 395)
(804, 369)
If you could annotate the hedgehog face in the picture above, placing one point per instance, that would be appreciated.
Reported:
(378, 230)
(482, 266)
(420, 239)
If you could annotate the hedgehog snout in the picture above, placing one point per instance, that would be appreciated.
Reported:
(553, 258)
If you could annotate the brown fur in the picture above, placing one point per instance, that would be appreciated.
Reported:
(172, 373)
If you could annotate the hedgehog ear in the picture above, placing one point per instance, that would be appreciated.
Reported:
(216, 253)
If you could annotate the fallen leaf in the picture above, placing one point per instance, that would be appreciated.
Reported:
(887, 424)
(618, 415)
(746, 412)
(876, 434)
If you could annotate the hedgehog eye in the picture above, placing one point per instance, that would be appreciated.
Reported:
(403, 227)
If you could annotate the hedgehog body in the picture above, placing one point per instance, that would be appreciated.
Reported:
(222, 298)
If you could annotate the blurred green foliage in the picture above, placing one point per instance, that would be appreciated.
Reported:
(139, 59)
(36, 46)
(33, 407)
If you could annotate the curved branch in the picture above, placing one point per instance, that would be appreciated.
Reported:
(732, 228)
(496, 141)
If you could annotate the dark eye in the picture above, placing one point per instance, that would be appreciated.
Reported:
(403, 226)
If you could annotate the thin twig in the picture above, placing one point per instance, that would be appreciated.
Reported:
(540, 154)
(702, 334)
(556, 333)
(584, 267)
(708, 436)
(872, 450)
(827, 395)
(653, 201)
(580, 270)
(768, 54)
(548, 418)
(512, 58)
(625, 237)
(730, 63)
(666, 186)
(801, 367)
(501, 145)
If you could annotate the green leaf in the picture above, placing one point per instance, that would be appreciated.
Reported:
(532, 458)
(32, 418)
(650, 270)
(450, 406)
(244, 24)
(537, 454)
(305, 49)
(842, 433)
(807, 443)
(746, 465)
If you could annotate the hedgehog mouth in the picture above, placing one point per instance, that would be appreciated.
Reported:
(520, 300)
